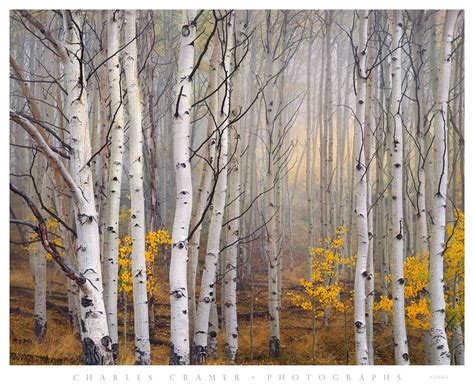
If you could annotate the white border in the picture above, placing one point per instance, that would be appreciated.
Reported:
(73, 377)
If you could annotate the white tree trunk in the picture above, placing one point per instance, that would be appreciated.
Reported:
(309, 157)
(361, 199)
(97, 345)
(213, 331)
(208, 280)
(369, 149)
(233, 227)
(39, 276)
(439, 341)
(204, 191)
(270, 209)
(112, 210)
(179, 346)
(398, 280)
(137, 221)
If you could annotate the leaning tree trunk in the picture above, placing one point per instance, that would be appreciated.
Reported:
(137, 221)
(361, 348)
(112, 210)
(439, 340)
(97, 345)
(398, 281)
(179, 344)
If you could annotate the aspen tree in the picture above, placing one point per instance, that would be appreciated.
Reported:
(179, 346)
(309, 157)
(369, 149)
(39, 170)
(111, 232)
(398, 280)
(137, 221)
(271, 238)
(234, 192)
(204, 191)
(208, 279)
(361, 196)
(439, 341)
(97, 345)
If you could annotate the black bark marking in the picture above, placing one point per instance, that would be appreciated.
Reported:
(86, 301)
(40, 327)
(106, 342)
(174, 358)
(91, 355)
(274, 347)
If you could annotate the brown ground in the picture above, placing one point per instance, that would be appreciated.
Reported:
(61, 346)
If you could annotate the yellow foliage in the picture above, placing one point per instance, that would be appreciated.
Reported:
(153, 242)
(416, 272)
(323, 290)
(53, 237)
(454, 272)
(384, 304)
(417, 278)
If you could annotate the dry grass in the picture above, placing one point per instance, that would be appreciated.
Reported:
(334, 345)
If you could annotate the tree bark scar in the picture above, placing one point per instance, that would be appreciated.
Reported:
(39, 327)
(274, 347)
(198, 354)
(140, 357)
(115, 350)
(86, 301)
(174, 358)
(91, 353)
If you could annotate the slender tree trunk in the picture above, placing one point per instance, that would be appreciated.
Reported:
(111, 232)
(204, 191)
(179, 347)
(361, 199)
(233, 228)
(309, 157)
(398, 280)
(137, 221)
(439, 339)
(369, 136)
(208, 280)
(271, 239)
(97, 345)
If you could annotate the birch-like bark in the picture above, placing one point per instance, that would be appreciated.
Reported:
(204, 191)
(179, 346)
(369, 149)
(328, 109)
(361, 198)
(439, 341)
(39, 277)
(112, 210)
(208, 280)
(398, 280)
(271, 239)
(213, 331)
(419, 110)
(137, 221)
(97, 345)
(309, 165)
(234, 192)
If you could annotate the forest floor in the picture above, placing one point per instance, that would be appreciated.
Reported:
(334, 345)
